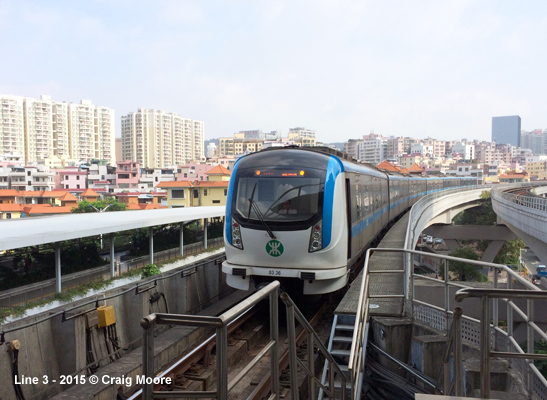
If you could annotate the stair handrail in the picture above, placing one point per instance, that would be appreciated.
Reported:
(314, 341)
(271, 292)
(485, 295)
(453, 346)
(356, 361)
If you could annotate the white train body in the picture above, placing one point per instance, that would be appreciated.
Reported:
(336, 208)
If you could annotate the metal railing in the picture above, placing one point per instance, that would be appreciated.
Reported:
(313, 342)
(439, 317)
(454, 348)
(221, 323)
(486, 353)
(532, 202)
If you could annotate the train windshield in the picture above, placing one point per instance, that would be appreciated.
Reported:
(279, 196)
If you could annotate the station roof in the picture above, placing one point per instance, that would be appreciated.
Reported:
(15, 233)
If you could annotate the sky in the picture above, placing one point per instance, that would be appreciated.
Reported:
(420, 68)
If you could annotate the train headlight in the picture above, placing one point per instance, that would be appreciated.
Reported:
(316, 237)
(236, 235)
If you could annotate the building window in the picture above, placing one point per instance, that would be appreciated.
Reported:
(225, 192)
(28, 173)
(196, 193)
(177, 193)
(66, 177)
(77, 177)
(8, 215)
(205, 192)
(216, 201)
(77, 186)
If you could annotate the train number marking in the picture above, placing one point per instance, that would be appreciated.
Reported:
(274, 248)
(274, 272)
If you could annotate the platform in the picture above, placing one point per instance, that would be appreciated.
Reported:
(381, 284)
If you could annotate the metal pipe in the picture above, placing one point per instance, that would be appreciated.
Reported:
(485, 348)
(530, 337)
(148, 324)
(274, 337)
(222, 363)
(204, 233)
(181, 225)
(112, 259)
(458, 363)
(58, 276)
(151, 243)
(291, 333)
(311, 367)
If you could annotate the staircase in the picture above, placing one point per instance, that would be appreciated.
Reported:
(339, 347)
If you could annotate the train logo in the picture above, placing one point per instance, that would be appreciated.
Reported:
(274, 248)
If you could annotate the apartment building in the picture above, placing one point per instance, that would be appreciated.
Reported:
(372, 149)
(466, 150)
(152, 177)
(41, 129)
(157, 139)
(72, 178)
(234, 146)
(127, 175)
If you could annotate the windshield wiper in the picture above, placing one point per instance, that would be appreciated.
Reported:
(261, 217)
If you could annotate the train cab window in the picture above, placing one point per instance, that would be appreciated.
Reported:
(279, 197)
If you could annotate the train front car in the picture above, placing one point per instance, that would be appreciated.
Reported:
(286, 220)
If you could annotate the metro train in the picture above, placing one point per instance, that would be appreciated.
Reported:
(304, 216)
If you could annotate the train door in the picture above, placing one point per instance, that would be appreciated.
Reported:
(348, 215)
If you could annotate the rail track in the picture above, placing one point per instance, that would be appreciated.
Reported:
(196, 370)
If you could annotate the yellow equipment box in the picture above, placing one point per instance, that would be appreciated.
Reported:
(106, 316)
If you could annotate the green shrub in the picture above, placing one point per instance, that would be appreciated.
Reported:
(149, 270)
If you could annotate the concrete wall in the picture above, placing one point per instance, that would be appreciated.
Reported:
(54, 348)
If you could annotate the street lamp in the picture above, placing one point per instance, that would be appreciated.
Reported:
(100, 211)
(520, 258)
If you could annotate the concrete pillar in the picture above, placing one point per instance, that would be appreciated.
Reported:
(151, 243)
(112, 259)
(58, 267)
(181, 239)
(204, 233)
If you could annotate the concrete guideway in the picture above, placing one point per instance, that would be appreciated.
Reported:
(526, 216)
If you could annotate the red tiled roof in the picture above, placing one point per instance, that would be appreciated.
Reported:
(68, 197)
(218, 170)
(404, 171)
(46, 209)
(415, 168)
(387, 166)
(174, 184)
(89, 193)
(11, 207)
(8, 192)
(211, 183)
(40, 193)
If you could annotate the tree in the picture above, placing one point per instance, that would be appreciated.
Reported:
(465, 271)
(483, 214)
(510, 252)
(106, 205)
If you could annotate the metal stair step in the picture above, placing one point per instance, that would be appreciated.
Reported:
(343, 327)
(337, 352)
(342, 339)
(343, 368)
